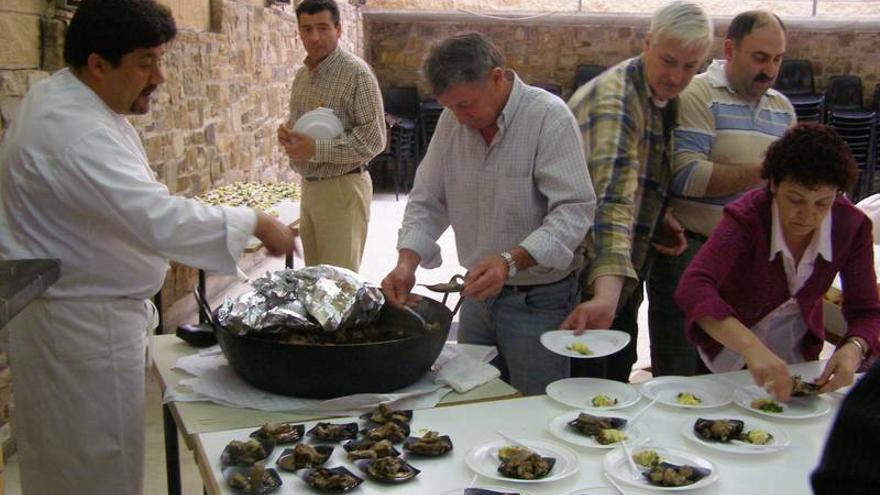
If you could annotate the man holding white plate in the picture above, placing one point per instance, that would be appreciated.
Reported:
(336, 188)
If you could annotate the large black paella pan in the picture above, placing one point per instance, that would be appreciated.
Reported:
(334, 370)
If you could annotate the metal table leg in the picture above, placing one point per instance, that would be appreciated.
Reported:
(172, 455)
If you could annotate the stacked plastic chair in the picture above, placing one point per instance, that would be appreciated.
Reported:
(402, 115)
(856, 125)
(796, 81)
(586, 73)
(549, 87)
(429, 114)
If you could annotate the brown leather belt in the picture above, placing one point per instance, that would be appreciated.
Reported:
(357, 170)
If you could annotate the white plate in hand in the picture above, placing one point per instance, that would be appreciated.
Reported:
(616, 466)
(579, 392)
(483, 460)
(600, 342)
(560, 429)
(796, 408)
(319, 123)
(778, 442)
(666, 389)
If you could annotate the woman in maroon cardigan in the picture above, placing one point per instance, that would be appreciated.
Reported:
(753, 294)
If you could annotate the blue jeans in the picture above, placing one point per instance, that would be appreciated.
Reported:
(513, 321)
(671, 352)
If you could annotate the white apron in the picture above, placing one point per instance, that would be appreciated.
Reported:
(78, 370)
(782, 331)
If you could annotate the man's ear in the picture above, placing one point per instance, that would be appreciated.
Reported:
(96, 66)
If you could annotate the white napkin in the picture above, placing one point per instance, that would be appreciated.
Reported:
(464, 366)
(214, 380)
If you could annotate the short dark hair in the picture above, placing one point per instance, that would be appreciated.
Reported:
(745, 22)
(312, 7)
(464, 57)
(113, 28)
(811, 155)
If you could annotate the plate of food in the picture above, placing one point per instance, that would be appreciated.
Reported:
(757, 400)
(535, 461)
(687, 392)
(660, 469)
(595, 431)
(593, 393)
(590, 344)
(736, 435)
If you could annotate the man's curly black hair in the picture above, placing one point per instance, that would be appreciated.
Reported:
(113, 28)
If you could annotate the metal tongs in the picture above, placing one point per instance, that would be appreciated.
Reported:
(455, 285)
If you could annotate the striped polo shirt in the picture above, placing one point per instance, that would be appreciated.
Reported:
(717, 126)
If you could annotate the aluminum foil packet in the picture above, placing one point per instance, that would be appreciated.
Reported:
(314, 298)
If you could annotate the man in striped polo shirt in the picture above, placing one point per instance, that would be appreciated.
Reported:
(728, 116)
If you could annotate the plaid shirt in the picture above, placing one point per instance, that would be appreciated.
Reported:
(627, 139)
(345, 84)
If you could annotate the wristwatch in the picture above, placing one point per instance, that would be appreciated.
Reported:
(511, 264)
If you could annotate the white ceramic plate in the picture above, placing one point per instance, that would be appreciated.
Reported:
(595, 490)
(320, 123)
(779, 441)
(499, 489)
(666, 389)
(616, 466)
(579, 392)
(796, 408)
(483, 460)
(601, 342)
(559, 428)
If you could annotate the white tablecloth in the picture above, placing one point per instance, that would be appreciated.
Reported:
(780, 473)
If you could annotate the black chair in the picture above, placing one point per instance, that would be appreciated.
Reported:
(858, 129)
(402, 109)
(844, 93)
(586, 73)
(875, 101)
(796, 81)
(429, 114)
(795, 78)
(550, 88)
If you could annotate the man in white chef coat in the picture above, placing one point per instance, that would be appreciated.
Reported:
(76, 185)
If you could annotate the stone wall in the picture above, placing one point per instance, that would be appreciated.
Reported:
(213, 121)
(549, 51)
(803, 8)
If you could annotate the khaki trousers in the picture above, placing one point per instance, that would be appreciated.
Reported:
(334, 214)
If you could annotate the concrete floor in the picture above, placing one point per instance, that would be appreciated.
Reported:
(380, 257)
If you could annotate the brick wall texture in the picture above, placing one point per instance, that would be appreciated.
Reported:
(550, 52)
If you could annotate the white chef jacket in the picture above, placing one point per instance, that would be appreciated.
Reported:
(75, 184)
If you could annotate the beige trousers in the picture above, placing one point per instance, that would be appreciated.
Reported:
(334, 214)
